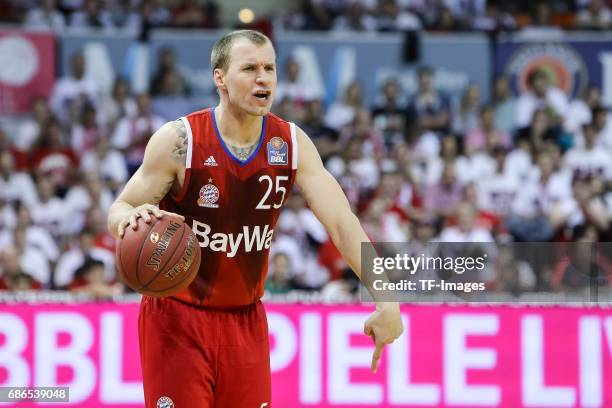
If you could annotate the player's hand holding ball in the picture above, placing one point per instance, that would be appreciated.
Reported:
(143, 211)
(157, 253)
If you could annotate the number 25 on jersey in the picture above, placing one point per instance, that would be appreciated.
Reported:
(278, 186)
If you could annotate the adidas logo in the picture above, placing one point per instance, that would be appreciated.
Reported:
(210, 161)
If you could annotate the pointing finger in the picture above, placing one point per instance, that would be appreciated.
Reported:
(376, 356)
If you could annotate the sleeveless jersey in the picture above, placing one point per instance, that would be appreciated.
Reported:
(232, 207)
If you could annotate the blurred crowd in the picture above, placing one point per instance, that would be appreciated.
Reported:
(536, 17)
(449, 15)
(533, 167)
(416, 166)
(110, 15)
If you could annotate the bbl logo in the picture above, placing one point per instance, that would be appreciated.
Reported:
(278, 152)
(209, 195)
(562, 65)
(165, 402)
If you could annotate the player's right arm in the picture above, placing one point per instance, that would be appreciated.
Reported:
(163, 161)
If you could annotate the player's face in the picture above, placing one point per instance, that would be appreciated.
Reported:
(250, 80)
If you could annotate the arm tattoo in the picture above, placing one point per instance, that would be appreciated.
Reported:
(163, 193)
(179, 152)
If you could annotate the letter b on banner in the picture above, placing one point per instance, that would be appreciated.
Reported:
(15, 340)
(49, 355)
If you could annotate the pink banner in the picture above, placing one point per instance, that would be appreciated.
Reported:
(27, 69)
(450, 356)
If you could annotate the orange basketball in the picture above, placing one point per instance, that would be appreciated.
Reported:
(160, 258)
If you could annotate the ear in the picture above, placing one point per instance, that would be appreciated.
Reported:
(219, 78)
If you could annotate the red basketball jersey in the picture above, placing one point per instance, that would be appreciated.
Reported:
(232, 207)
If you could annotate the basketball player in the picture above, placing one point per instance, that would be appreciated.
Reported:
(226, 171)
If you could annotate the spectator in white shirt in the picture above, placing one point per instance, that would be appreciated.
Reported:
(20, 159)
(49, 211)
(108, 163)
(519, 162)
(85, 133)
(30, 127)
(432, 169)
(383, 225)
(12, 275)
(8, 216)
(540, 95)
(73, 91)
(534, 212)
(15, 186)
(132, 133)
(475, 165)
(341, 113)
(292, 87)
(498, 192)
(32, 259)
(580, 110)
(37, 236)
(116, 106)
(285, 243)
(603, 127)
(590, 160)
(586, 206)
(74, 258)
(466, 229)
(82, 197)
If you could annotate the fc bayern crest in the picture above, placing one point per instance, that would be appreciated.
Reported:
(209, 195)
(278, 152)
(165, 402)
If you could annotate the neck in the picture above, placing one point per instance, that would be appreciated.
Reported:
(238, 128)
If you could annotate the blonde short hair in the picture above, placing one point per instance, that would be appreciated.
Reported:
(220, 55)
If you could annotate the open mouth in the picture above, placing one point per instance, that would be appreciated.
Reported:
(262, 95)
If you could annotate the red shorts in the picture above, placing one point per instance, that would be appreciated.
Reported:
(200, 357)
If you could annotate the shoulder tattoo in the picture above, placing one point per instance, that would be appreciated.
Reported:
(179, 151)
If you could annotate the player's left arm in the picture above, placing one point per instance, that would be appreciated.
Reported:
(328, 202)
